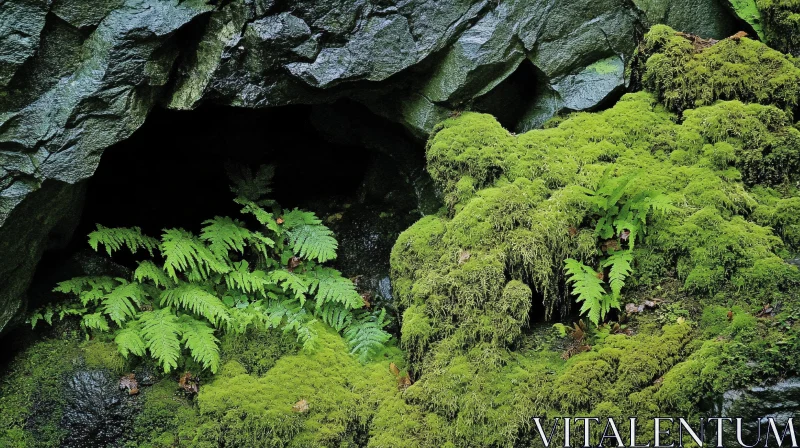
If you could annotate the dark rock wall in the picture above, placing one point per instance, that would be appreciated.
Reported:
(77, 76)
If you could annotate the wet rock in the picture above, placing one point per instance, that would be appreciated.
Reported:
(754, 405)
(707, 18)
(97, 412)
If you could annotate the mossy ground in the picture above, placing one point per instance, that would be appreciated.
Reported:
(476, 280)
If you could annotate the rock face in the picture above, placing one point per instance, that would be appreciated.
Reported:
(77, 76)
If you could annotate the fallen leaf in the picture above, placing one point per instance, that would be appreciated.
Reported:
(300, 407)
(650, 304)
(404, 382)
(129, 383)
(625, 235)
(294, 262)
(463, 257)
(730, 315)
(189, 383)
(393, 368)
(279, 220)
(365, 297)
(631, 308)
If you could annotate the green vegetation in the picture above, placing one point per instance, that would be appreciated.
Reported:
(227, 279)
(782, 24)
(685, 76)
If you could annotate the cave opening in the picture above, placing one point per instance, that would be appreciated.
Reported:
(361, 174)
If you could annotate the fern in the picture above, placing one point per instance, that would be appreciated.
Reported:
(122, 302)
(308, 238)
(198, 300)
(620, 263)
(161, 331)
(95, 321)
(199, 338)
(115, 238)
(366, 335)
(130, 342)
(184, 252)
(291, 283)
(587, 286)
(224, 235)
(246, 281)
(227, 279)
(251, 186)
(330, 286)
(148, 270)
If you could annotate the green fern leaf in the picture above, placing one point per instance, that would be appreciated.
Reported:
(147, 270)
(620, 263)
(330, 286)
(161, 331)
(252, 186)
(184, 252)
(122, 302)
(198, 300)
(291, 283)
(115, 238)
(366, 335)
(264, 217)
(95, 321)
(224, 235)
(335, 316)
(199, 338)
(88, 289)
(242, 279)
(308, 238)
(586, 286)
(129, 341)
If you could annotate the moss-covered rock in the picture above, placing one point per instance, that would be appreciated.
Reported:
(687, 74)
(782, 24)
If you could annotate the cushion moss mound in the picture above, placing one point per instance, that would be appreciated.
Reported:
(472, 277)
(688, 73)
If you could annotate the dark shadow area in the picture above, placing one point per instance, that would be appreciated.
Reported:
(510, 99)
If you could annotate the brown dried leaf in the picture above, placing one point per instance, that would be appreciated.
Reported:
(393, 368)
(129, 383)
(631, 308)
(463, 257)
(403, 382)
(189, 383)
(300, 407)
(294, 262)
(279, 220)
(730, 315)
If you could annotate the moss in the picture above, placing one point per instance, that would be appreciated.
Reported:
(257, 350)
(742, 69)
(241, 409)
(748, 11)
(166, 419)
(31, 400)
(104, 355)
(782, 24)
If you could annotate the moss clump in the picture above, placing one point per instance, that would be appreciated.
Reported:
(241, 409)
(743, 69)
(782, 24)
(31, 399)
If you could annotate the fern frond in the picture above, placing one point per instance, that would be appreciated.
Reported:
(161, 331)
(115, 238)
(199, 338)
(620, 263)
(130, 342)
(290, 283)
(122, 302)
(330, 286)
(335, 316)
(88, 289)
(95, 321)
(252, 186)
(586, 286)
(184, 252)
(264, 217)
(308, 237)
(242, 279)
(224, 235)
(147, 270)
(198, 300)
(366, 335)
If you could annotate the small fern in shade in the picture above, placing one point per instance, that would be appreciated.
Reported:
(190, 288)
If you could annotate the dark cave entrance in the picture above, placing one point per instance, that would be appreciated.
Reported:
(363, 175)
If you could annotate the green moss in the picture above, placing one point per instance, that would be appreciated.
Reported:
(748, 11)
(742, 69)
(241, 409)
(103, 355)
(782, 24)
(167, 418)
(31, 399)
